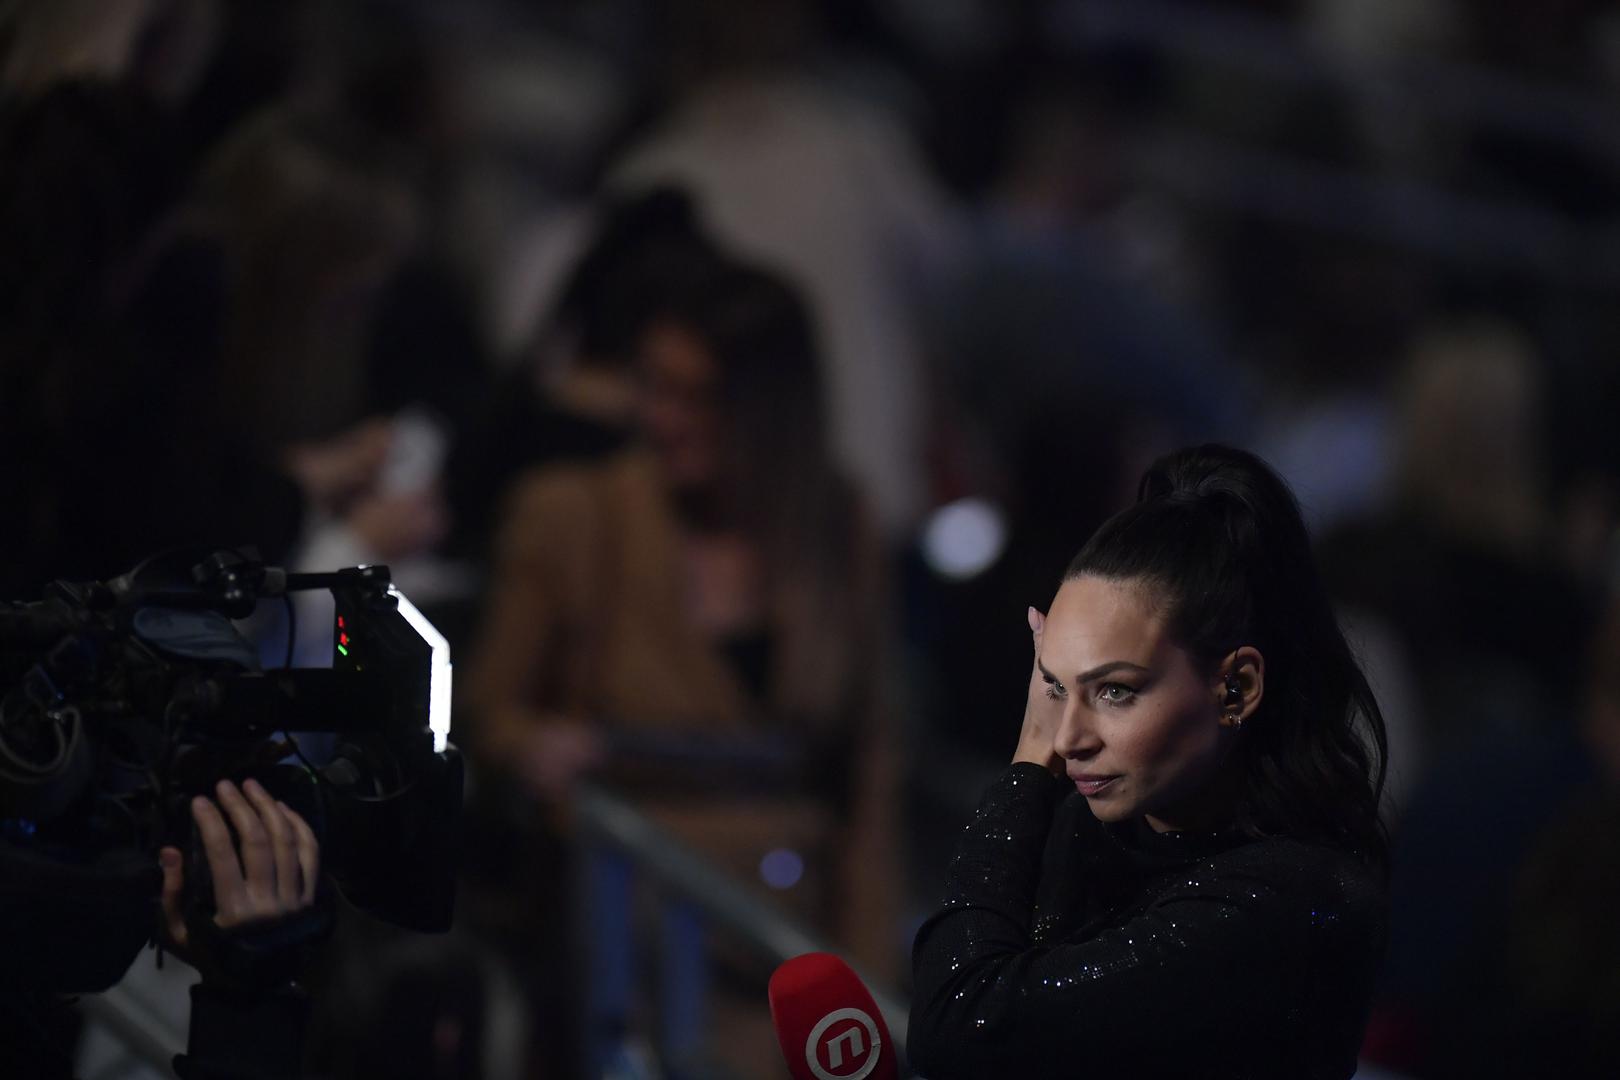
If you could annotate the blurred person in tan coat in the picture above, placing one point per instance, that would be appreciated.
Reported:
(699, 620)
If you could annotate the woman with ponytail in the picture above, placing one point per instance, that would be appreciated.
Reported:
(1181, 874)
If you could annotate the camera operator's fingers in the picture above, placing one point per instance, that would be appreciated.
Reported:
(253, 846)
(309, 853)
(230, 892)
(174, 920)
(283, 844)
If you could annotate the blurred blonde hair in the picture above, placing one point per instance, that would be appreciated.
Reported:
(47, 41)
(301, 227)
(1469, 444)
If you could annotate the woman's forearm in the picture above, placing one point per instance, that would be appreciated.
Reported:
(989, 896)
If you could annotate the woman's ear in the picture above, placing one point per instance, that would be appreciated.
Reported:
(1241, 683)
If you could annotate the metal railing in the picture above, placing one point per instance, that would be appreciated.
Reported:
(624, 849)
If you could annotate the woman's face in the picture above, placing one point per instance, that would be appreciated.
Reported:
(1142, 727)
(677, 404)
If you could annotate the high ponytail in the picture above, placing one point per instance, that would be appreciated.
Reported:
(1219, 537)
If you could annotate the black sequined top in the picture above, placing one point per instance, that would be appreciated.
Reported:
(1066, 947)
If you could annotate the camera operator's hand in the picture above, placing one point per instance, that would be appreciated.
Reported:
(271, 871)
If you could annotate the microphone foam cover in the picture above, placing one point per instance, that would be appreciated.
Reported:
(827, 1023)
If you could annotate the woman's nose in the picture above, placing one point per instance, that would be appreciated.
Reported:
(1076, 738)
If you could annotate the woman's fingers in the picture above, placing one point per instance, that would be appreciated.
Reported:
(283, 848)
(308, 851)
(1036, 738)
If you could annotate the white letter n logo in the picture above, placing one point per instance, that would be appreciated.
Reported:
(835, 1048)
(862, 1036)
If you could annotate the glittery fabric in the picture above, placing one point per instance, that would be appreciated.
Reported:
(1066, 947)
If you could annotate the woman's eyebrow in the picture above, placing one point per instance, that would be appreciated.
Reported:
(1108, 669)
(1095, 673)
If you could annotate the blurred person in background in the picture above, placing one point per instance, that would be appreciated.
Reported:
(46, 42)
(1502, 935)
(1327, 322)
(309, 238)
(571, 395)
(111, 359)
(791, 169)
(1548, 992)
(1070, 290)
(713, 591)
(1585, 451)
(1464, 563)
(1466, 568)
(130, 371)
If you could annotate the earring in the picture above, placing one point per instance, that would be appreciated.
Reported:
(1236, 719)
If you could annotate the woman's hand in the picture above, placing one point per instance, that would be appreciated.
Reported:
(275, 875)
(335, 470)
(1042, 714)
(396, 525)
(554, 755)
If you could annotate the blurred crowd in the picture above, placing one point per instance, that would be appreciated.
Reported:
(726, 377)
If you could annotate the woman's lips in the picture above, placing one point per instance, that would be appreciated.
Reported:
(1091, 785)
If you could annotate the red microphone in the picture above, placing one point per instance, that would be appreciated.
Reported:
(827, 1023)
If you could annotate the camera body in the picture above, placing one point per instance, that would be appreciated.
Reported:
(124, 699)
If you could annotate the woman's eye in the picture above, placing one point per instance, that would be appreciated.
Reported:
(1055, 690)
(1115, 693)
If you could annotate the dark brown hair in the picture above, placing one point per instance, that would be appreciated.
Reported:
(1219, 536)
(780, 483)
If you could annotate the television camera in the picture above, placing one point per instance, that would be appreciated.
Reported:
(123, 699)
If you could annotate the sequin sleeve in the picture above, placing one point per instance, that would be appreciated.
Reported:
(1257, 962)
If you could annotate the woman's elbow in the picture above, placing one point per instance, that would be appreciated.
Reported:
(929, 1048)
(922, 1051)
